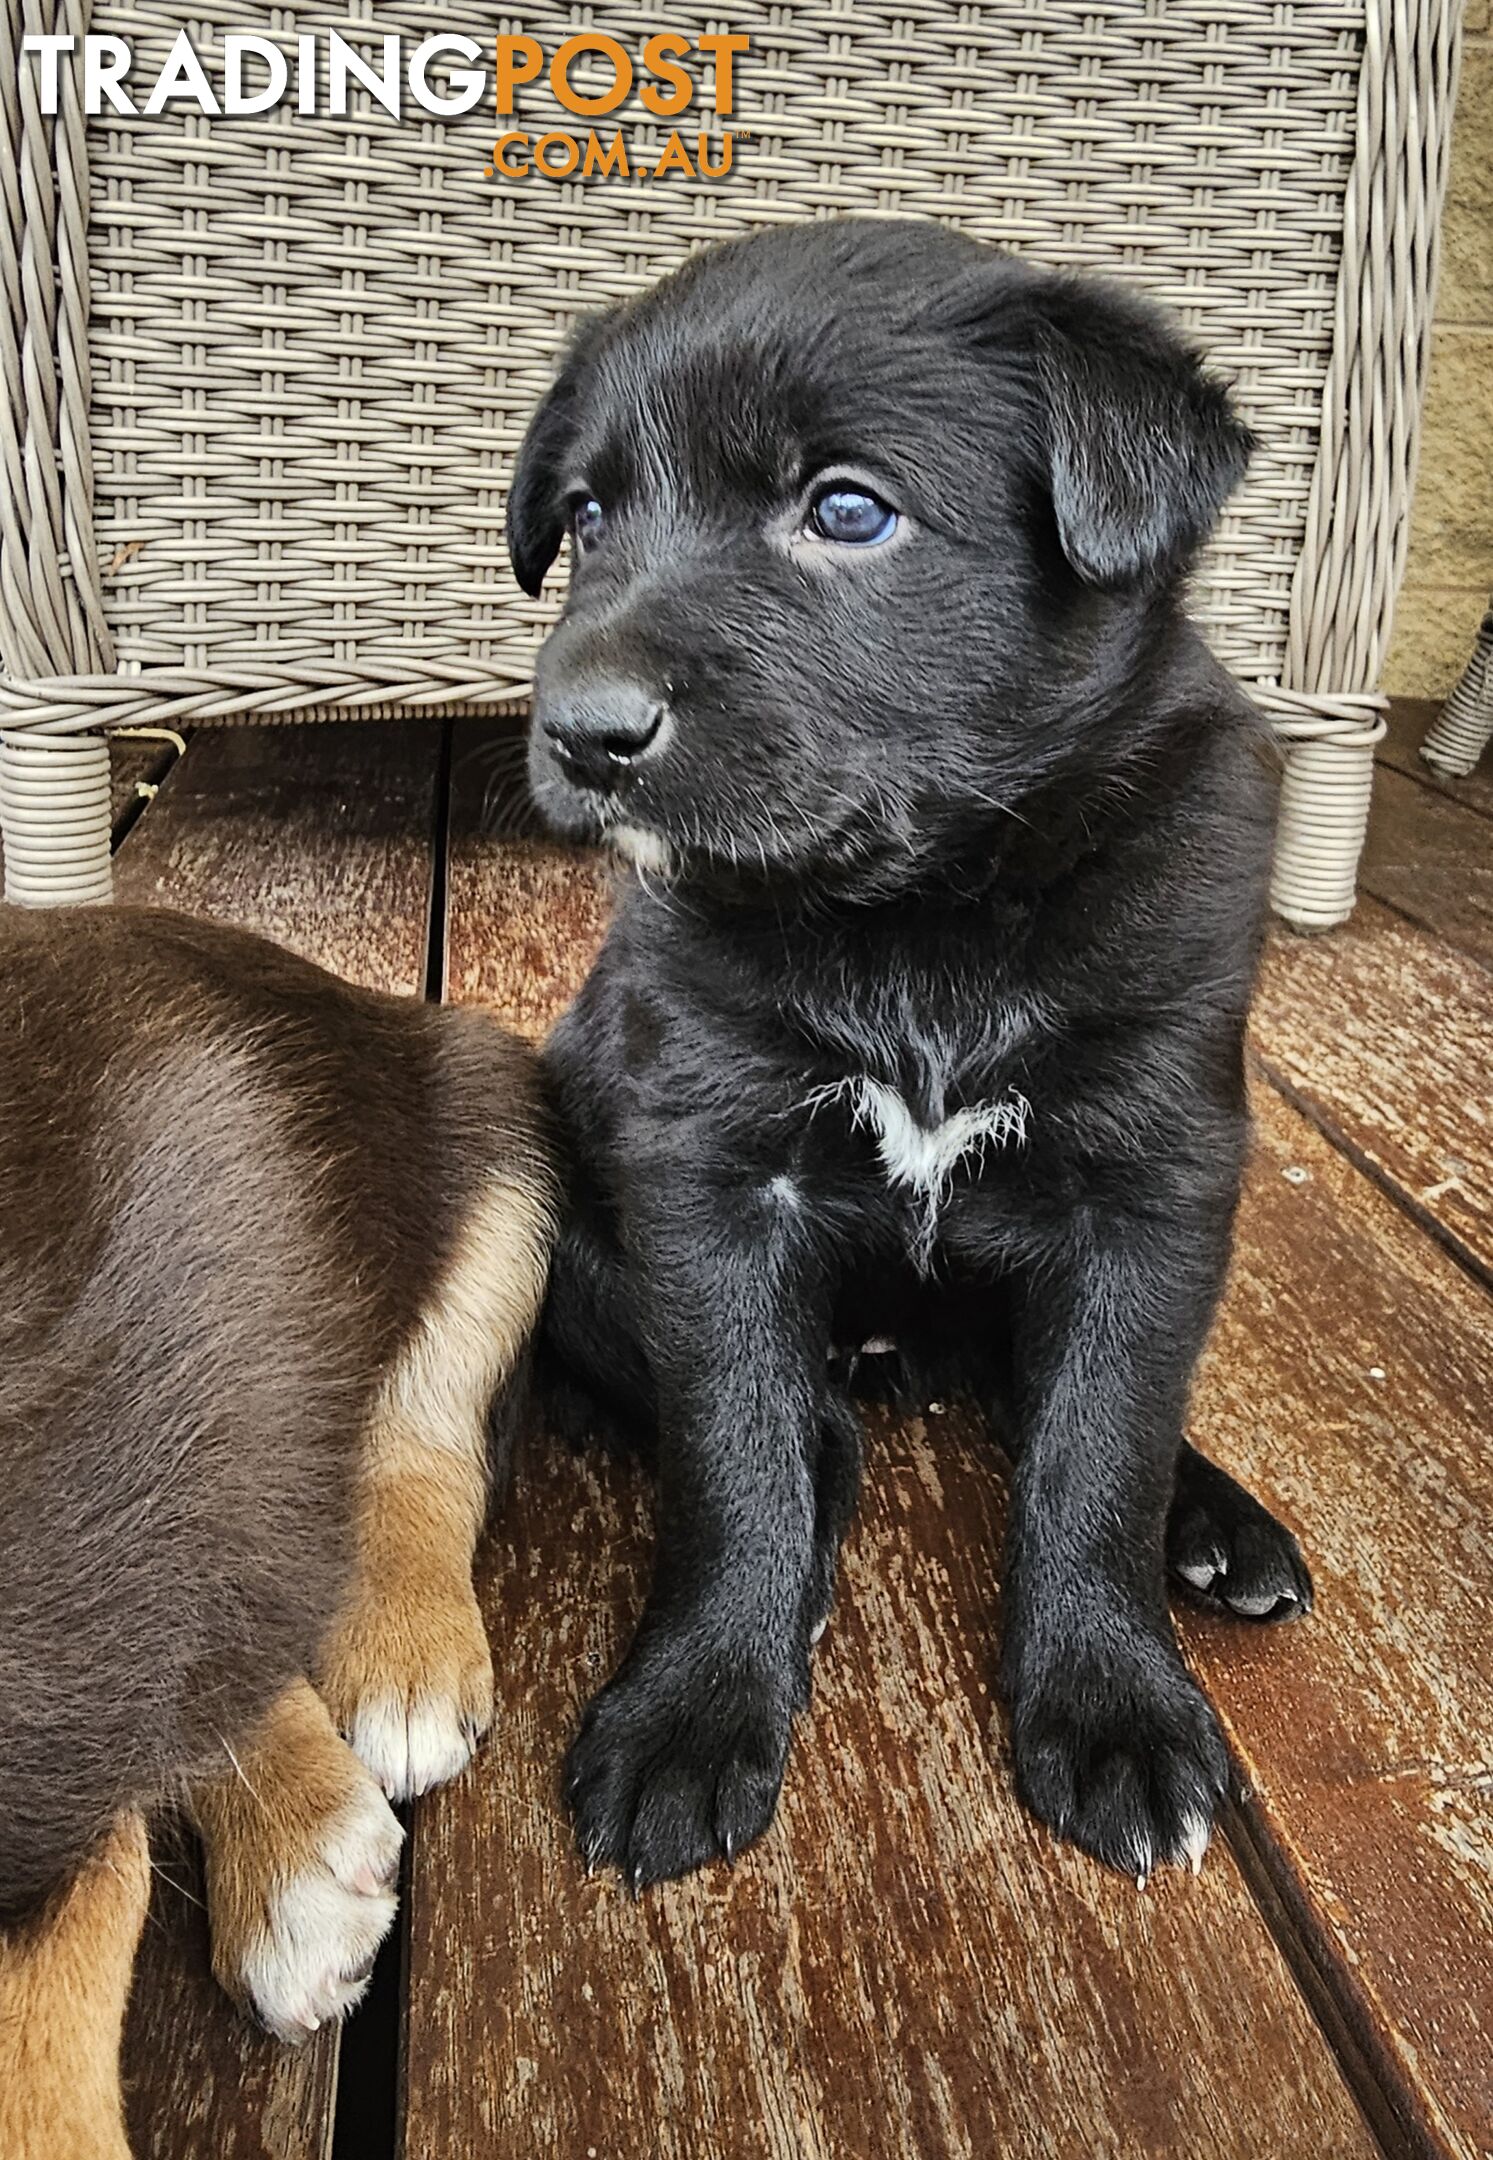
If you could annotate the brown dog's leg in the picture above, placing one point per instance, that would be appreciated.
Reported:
(407, 1672)
(302, 1855)
(64, 1983)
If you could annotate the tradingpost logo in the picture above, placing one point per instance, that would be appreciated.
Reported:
(666, 88)
(588, 107)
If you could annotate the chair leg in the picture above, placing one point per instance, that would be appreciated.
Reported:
(1464, 727)
(55, 819)
(1324, 814)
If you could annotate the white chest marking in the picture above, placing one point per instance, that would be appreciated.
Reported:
(921, 1159)
(925, 1159)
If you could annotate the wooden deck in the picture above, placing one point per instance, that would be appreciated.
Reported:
(907, 1968)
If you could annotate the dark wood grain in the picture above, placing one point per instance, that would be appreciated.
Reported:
(1409, 719)
(1383, 1034)
(1348, 1383)
(322, 837)
(137, 766)
(523, 915)
(907, 1966)
(1433, 860)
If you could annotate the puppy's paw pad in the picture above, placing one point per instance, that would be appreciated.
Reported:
(662, 1779)
(308, 1962)
(411, 1687)
(1233, 1555)
(411, 1747)
(1132, 1772)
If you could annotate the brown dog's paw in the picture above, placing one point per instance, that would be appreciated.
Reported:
(411, 1686)
(301, 1893)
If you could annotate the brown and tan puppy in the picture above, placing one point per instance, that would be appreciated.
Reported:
(270, 1247)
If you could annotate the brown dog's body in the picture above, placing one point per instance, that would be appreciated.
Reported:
(269, 1246)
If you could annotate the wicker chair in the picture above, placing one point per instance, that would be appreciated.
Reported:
(264, 376)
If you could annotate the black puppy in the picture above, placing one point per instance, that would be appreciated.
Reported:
(952, 842)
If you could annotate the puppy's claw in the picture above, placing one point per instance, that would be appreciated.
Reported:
(1196, 1832)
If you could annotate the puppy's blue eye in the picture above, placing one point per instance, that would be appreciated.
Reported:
(852, 516)
(589, 518)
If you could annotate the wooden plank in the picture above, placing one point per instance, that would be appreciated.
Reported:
(1347, 1384)
(136, 769)
(1433, 860)
(1409, 719)
(322, 837)
(1384, 1036)
(523, 916)
(907, 1965)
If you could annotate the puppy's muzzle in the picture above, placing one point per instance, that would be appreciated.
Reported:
(600, 733)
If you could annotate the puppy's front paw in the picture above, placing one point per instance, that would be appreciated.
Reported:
(298, 1913)
(677, 1762)
(409, 1681)
(1121, 1754)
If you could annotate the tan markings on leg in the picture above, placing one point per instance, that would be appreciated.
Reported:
(302, 1854)
(64, 1983)
(407, 1672)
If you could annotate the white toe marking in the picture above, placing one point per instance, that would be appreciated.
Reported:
(1198, 1573)
(411, 1747)
(322, 1928)
(1196, 1832)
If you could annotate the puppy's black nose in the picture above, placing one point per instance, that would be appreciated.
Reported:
(601, 731)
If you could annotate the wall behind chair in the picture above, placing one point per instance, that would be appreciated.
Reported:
(1449, 568)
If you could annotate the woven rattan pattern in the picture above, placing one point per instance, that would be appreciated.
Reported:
(315, 341)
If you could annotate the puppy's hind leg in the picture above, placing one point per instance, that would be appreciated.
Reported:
(593, 1375)
(1229, 1552)
(64, 1983)
(302, 1851)
(406, 1672)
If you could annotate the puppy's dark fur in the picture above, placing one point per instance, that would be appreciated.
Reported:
(970, 819)
(228, 1186)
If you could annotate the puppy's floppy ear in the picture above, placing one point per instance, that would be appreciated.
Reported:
(536, 511)
(1143, 447)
